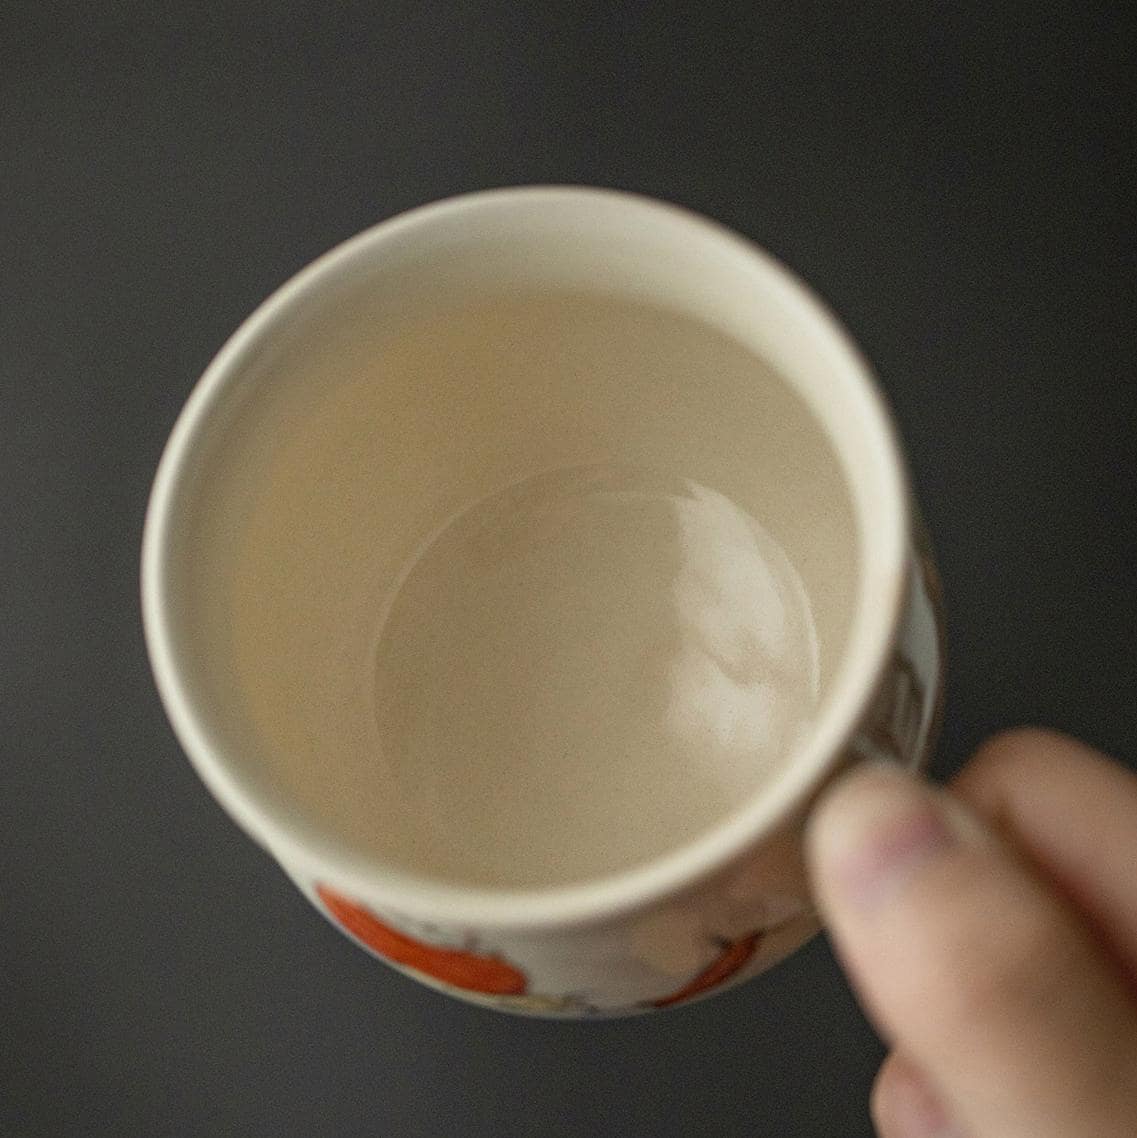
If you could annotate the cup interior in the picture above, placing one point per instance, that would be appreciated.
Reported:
(338, 435)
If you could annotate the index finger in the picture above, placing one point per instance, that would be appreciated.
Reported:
(1073, 811)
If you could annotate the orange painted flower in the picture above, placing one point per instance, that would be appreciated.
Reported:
(475, 973)
(730, 960)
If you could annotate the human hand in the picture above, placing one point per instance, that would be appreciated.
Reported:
(991, 933)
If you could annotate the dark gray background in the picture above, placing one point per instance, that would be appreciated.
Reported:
(949, 177)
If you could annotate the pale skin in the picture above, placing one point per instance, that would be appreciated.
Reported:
(990, 931)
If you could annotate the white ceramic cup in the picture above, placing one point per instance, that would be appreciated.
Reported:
(734, 900)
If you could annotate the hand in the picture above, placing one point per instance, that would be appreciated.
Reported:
(991, 933)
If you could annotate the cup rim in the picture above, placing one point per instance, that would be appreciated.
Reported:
(299, 842)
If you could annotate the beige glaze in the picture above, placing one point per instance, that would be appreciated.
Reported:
(621, 637)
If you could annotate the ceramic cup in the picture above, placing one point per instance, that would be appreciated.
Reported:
(725, 905)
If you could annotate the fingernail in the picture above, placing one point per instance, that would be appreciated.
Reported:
(877, 829)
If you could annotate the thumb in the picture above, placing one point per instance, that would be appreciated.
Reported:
(971, 966)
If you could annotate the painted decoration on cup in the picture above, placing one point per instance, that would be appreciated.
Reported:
(460, 968)
(735, 955)
(489, 975)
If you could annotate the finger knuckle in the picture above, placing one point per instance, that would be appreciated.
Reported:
(1013, 746)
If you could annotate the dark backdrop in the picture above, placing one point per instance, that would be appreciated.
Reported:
(948, 176)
